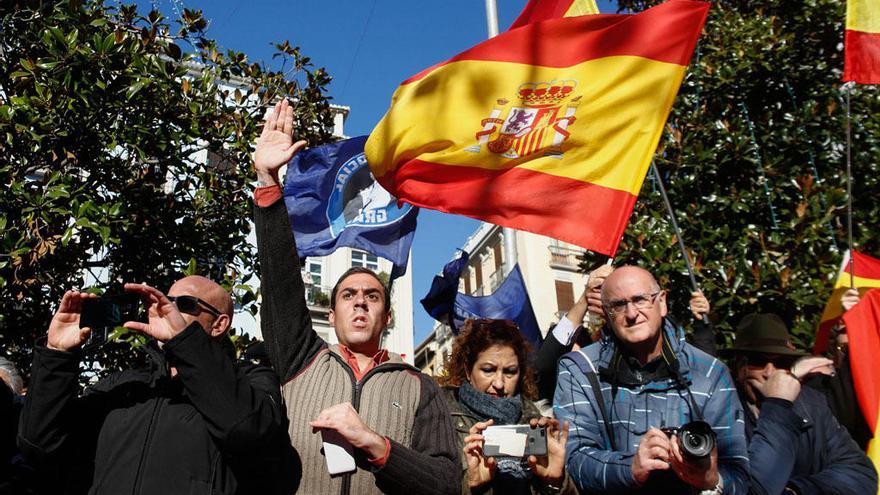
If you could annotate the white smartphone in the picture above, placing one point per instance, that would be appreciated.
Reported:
(338, 453)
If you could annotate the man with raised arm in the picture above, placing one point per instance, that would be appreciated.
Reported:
(394, 417)
(194, 422)
(624, 394)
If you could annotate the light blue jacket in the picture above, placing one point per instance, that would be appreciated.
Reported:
(590, 460)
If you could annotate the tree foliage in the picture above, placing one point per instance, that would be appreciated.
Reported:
(760, 120)
(106, 118)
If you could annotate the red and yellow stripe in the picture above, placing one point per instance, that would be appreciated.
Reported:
(628, 69)
(863, 328)
(862, 42)
(866, 276)
(542, 10)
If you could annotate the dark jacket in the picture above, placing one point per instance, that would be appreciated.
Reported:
(803, 446)
(214, 429)
(393, 399)
(840, 393)
(463, 421)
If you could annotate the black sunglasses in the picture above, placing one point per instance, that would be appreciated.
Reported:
(759, 360)
(190, 305)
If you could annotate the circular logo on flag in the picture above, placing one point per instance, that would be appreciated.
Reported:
(358, 200)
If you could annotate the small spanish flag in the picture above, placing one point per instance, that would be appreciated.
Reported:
(861, 57)
(863, 328)
(866, 275)
(542, 10)
(548, 128)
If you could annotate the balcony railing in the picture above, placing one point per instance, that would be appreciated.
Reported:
(563, 257)
(318, 295)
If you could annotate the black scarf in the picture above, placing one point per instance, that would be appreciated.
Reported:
(513, 473)
(504, 410)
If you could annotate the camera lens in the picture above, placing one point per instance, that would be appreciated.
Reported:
(697, 439)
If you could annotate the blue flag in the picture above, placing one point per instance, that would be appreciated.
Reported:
(333, 201)
(441, 297)
(510, 301)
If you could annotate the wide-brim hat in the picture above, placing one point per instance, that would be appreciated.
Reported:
(763, 333)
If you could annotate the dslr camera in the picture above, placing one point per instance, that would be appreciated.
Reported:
(697, 439)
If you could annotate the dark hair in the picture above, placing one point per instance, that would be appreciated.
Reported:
(354, 271)
(476, 336)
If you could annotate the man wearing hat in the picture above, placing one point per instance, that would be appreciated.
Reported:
(795, 444)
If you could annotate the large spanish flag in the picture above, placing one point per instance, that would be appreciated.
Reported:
(866, 275)
(863, 328)
(548, 128)
(542, 10)
(861, 55)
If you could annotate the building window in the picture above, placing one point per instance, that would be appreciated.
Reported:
(364, 260)
(313, 275)
(315, 270)
(564, 295)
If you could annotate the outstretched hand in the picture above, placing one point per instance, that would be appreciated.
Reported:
(164, 319)
(64, 332)
(275, 146)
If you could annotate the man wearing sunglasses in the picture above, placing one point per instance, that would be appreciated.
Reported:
(393, 417)
(194, 422)
(795, 444)
(642, 376)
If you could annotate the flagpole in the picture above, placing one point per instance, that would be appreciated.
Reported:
(507, 233)
(681, 245)
(849, 228)
(492, 18)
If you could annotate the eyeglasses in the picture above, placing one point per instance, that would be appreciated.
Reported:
(758, 360)
(643, 301)
(190, 305)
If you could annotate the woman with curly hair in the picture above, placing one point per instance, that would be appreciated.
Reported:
(489, 382)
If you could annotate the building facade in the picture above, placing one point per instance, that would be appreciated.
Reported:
(550, 271)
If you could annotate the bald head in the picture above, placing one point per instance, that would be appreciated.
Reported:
(629, 275)
(210, 292)
(635, 307)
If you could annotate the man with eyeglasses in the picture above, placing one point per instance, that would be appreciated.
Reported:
(194, 422)
(796, 446)
(639, 378)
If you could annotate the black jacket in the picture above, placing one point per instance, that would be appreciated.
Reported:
(801, 445)
(216, 428)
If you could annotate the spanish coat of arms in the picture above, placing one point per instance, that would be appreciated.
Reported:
(538, 123)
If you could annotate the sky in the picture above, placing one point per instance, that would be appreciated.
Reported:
(369, 47)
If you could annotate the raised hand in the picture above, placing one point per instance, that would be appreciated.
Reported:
(275, 146)
(164, 319)
(481, 469)
(593, 291)
(551, 468)
(64, 332)
(699, 305)
(849, 299)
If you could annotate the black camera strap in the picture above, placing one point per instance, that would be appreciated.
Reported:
(673, 366)
(600, 401)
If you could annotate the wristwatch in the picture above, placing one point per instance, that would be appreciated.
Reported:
(718, 490)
